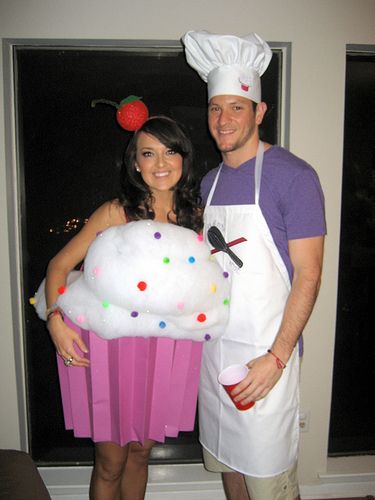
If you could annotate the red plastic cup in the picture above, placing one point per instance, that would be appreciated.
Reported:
(229, 378)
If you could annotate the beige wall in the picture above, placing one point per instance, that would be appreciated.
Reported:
(319, 31)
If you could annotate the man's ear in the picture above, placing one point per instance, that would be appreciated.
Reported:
(260, 112)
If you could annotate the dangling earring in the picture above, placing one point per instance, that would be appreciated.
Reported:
(137, 168)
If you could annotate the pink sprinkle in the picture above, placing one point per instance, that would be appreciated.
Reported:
(200, 237)
(81, 318)
(97, 271)
(180, 306)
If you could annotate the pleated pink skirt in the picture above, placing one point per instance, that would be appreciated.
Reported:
(135, 388)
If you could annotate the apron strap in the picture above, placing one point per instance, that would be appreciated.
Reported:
(213, 187)
(258, 170)
(257, 175)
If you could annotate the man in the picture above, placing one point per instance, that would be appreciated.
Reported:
(273, 199)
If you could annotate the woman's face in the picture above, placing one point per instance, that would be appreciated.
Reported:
(159, 166)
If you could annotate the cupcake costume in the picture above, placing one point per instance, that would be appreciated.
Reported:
(149, 297)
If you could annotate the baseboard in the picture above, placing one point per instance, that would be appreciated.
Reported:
(166, 482)
(183, 482)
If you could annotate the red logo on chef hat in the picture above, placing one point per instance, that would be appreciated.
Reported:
(245, 84)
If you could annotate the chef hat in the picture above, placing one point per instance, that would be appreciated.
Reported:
(230, 65)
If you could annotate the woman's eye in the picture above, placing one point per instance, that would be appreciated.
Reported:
(237, 108)
(171, 152)
(146, 154)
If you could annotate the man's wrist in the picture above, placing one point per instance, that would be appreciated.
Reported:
(279, 362)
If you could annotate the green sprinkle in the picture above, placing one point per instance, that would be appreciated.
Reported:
(166, 260)
(105, 304)
(226, 302)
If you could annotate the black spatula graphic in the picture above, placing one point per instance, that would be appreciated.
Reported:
(217, 240)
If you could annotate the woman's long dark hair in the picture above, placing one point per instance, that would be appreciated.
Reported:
(136, 197)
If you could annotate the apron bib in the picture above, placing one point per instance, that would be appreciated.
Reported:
(262, 441)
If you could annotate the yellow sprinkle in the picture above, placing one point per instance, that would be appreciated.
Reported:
(32, 300)
(213, 288)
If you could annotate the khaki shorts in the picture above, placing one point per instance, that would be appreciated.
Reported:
(284, 486)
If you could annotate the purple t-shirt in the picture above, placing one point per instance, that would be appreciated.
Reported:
(291, 198)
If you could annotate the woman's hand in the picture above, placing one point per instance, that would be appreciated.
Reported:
(64, 339)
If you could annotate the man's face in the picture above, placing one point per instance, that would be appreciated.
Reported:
(233, 123)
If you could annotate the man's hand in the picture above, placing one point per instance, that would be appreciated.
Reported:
(262, 377)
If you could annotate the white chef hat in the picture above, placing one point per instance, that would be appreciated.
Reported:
(230, 65)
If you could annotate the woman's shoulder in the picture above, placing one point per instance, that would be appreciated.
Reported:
(116, 212)
(110, 213)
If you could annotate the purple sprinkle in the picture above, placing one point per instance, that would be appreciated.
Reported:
(225, 274)
(157, 235)
(134, 314)
(207, 336)
(99, 233)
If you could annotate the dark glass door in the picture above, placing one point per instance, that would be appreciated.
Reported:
(352, 427)
(70, 156)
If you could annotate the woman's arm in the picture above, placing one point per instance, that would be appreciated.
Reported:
(107, 215)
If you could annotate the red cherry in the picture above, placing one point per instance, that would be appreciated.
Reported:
(131, 112)
(131, 116)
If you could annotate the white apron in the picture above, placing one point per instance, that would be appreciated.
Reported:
(262, 441)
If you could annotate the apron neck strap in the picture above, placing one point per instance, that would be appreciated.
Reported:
(257, 174)
(258, 170)
(213, 187)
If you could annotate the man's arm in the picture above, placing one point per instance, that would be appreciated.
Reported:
(307, 257)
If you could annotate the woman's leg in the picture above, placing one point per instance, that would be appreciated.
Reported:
(134, 479)
(110, 461)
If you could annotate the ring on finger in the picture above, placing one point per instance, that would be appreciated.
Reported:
(68, 361)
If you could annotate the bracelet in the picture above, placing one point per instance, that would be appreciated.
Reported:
(51, 309)
(280, 364)
(56, 312)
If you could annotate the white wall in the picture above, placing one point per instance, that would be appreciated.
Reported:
(319, 31)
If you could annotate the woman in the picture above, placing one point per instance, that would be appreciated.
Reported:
(157, 183)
